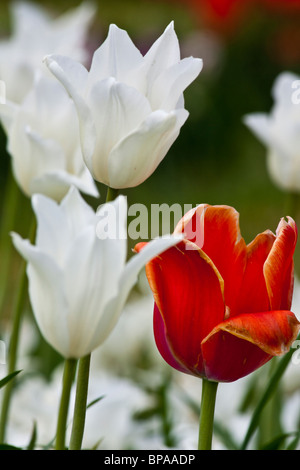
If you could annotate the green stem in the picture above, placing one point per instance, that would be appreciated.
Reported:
(8, 219)
(68, 378)
(111, 194)
(12, 352)
(80, 403)
(207, 411)
(18, 310)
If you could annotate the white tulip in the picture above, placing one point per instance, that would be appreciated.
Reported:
(78, 281)
(279, 131)
(43, 141)
(130, 106)
(35, 33)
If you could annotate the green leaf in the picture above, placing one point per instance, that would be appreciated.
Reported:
(265, 397)
(9, 447)
(225, 436)
(9, 377)
(93, 402)
(32, 441)
(276, 443)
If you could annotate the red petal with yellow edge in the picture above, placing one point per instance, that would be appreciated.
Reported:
(188, 292)
(253, 295)
(218, 233)
(228, 358)
(278, 269)
(161, 342)
(241, 344)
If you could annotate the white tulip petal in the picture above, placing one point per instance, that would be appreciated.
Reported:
(87, 300)
(36, 33)
(137, 156)
(112, 224)
(73, 77)
(8, 112)
(282, 89)
(78, 214)
(72, 74)
(122, 109)
(259, 123)
(26, 16)
(46, 295)
(104, 260)
(170, 84)
(116, 57)
(32, 155)
(55, 184)
(49, 217)
(162, 54)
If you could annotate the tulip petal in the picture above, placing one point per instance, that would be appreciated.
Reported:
(122, 109)
(57, 183)
(116, 57)
(73, 77)
(162, 343)
(216, 229)
(104, 261)
(170, 84)
(253, 295)
(188, 291)
(278, 269)
(246, 342)
(46, 295)
(71, 216)
(136, 157)
(260, 125)
(163, 54)
(41, 156)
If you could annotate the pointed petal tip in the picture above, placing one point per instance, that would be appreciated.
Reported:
(139, 246)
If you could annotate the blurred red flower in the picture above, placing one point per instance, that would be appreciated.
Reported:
(222, 308)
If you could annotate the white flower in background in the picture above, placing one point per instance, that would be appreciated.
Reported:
(78, 280)
(34, 34)
(130, 106)
(43, 141)
(279, 131)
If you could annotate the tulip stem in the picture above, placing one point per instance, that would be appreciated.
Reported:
(68, 378)
(111, 194)
(207, 411)
(9, 214)
(18, 310)
(80, 403)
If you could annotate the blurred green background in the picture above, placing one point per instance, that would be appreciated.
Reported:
(216, 159)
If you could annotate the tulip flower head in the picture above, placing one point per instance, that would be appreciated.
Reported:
(279, 132)
(43, 141)
(130, 106)
(222, 310)
(79, 280)
(34, 34)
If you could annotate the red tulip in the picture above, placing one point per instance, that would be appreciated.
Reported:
(222, 308)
